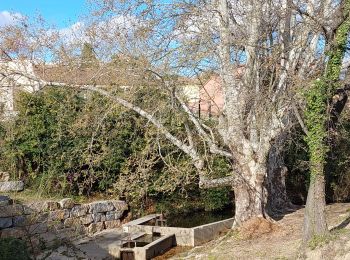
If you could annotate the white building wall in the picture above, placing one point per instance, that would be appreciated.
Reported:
(18, 75)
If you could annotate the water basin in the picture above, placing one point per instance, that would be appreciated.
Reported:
(198, 218)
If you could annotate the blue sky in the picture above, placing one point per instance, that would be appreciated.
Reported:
(61, 13)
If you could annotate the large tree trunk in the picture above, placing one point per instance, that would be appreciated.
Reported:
(315, 217)
(277, 201)
(250, 192)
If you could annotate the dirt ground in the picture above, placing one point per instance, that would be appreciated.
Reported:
(281, 240)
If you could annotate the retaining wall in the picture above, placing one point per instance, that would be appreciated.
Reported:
(58, 219)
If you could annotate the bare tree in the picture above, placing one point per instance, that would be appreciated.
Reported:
(264, 52)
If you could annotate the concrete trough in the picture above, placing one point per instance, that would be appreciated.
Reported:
(148, 251)
(185, 236)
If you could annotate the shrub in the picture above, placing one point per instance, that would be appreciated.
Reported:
(13, 249)
(64, 141)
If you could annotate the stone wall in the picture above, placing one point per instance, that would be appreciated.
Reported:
(48, 220)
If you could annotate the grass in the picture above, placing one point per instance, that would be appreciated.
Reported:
(29, 195)
(318, 241)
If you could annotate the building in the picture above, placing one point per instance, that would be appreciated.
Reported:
(211, 98)
(15, 76)
(205, 100)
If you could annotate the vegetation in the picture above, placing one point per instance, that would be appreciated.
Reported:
(112, 115)
(319, 116)
(13, 249)
(60, 143)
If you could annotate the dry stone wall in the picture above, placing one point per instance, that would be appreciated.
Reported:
(58, 219)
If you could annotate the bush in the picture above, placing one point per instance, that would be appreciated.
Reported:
(216, 198)
(72, 142)
(64, 141)
(13, 249)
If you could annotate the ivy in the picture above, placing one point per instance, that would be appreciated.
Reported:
(322, 90)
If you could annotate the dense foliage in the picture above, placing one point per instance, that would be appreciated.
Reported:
(13, 249)
(63, 141)
(71, 142)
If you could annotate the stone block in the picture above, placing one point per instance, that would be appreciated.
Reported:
(86, 219)
(6, 186)
(4, 200)
(13, 232)
(95, 227)
(37, 206)
(72, 222)
(4, 176)
(60, 214)
(110, 215)
(51, 205)
(118, 214)
(112, 224)
(66, 203)
(36, 217)
(27, 210)
(120, 205)
(42, 206)
(38, 228)
(101, 206)
(5, 223)
(39, 217)
(55, 225)
(20, 221)
(79, 211)
(98, 217)
(11, 210)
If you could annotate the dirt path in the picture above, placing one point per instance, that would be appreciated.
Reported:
(281, 243)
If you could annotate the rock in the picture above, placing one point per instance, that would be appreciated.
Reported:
(7, 186)
(98, 217)
(41, 206)
(5, 222)
(54, 225)
(27, 210)
(39, 217)
(51, 205)
(79, 211)
(66, 203)
(4, 176)
(11, 210)
(87, 219)
(36, 217)
(20, 221)
(4, 200)
(66, 233)
(118, 214)
(13, 232)
(120, 205)
(112, 224)
(101, 206)
(49, 239)
(60, 214)
(110, 215)
(72, 222)
(38, 228)
(80, 231)
(95, 227)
